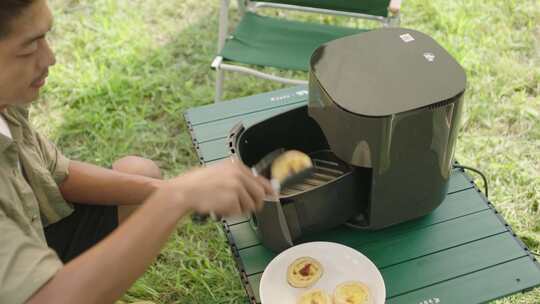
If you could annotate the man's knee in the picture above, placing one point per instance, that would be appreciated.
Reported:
(138, 166)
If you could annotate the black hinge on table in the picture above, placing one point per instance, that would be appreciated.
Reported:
(247, 287)
(193, 139)
(239, 265)
(236, 130)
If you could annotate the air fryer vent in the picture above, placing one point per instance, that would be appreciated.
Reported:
(440, 104)
(327, 169)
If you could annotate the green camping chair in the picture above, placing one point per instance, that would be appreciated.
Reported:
(286, 44)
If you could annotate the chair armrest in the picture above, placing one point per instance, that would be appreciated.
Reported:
(394, 7)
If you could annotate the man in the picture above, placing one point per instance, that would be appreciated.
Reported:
(52, 251)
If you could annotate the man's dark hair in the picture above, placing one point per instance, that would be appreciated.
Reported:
(9, 9)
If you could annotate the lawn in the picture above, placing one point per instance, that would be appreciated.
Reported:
(128, 69)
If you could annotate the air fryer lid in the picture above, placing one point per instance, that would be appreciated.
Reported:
(386, 71)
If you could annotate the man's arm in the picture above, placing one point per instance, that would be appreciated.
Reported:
(25, 263)
(103, 273)
(89, 184)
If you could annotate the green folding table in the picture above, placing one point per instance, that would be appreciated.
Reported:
(463, 252)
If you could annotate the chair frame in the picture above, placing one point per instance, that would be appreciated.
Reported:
(393, 19)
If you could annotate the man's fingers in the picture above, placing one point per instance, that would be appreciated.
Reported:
(265, 183)
(229, 204)
(268, 189)
(254, 187)
(246, 201)
(233, 210)
(244, 169)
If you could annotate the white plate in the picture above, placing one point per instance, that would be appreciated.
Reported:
(340, 264)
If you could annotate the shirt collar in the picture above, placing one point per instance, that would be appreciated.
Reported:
(4, 142)
(14, 127)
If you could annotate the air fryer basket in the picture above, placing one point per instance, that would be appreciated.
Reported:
(326, 169)
(292, 129)
(325, 200)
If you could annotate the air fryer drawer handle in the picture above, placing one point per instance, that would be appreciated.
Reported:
(272, 228)
(233, 136)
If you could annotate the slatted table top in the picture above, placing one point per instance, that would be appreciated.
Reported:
(463, 252)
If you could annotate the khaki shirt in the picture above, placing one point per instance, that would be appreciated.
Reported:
(31, 168)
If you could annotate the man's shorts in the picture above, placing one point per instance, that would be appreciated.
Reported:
(85, 227)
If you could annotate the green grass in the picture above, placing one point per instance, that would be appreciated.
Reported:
(128, 69)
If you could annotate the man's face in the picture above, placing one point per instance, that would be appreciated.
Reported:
(25, 55)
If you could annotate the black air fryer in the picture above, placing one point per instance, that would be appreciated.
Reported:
(381, 126)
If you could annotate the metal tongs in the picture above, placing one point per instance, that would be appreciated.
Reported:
(263, 167)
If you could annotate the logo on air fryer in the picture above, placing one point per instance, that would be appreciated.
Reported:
(429, 56)
(406, 37)
(283, 97)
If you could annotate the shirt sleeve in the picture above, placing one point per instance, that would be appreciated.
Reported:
(25, 264)
(55, 161)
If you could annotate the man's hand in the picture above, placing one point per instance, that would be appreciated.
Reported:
(227, 188)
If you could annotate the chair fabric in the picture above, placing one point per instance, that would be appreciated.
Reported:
(277, 42)
(370, 7)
